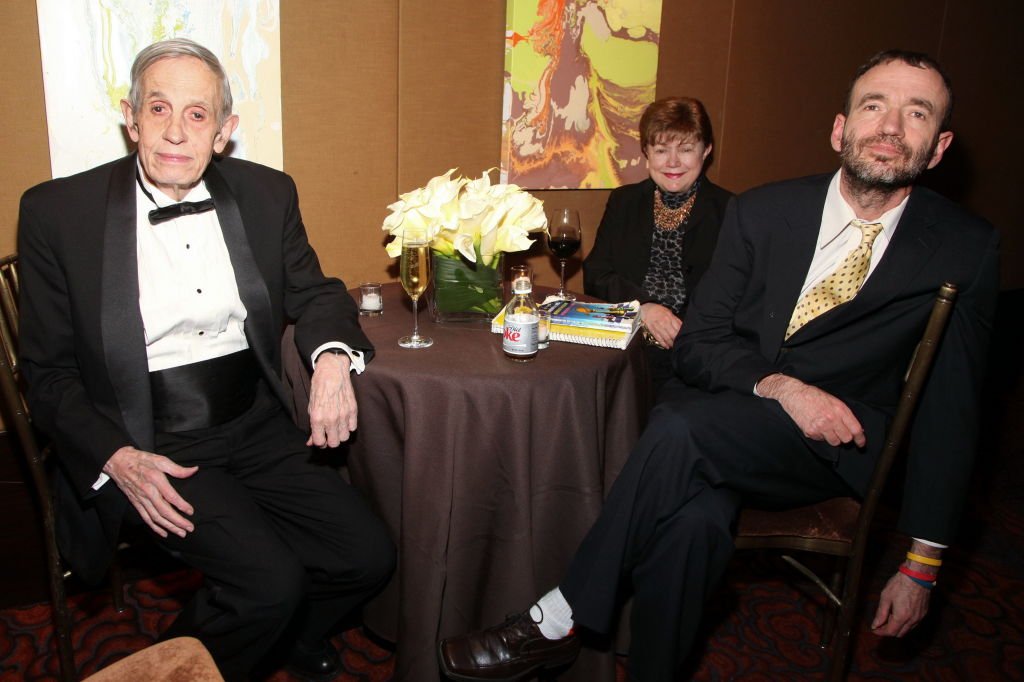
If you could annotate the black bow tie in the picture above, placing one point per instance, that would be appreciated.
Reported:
(160, 215)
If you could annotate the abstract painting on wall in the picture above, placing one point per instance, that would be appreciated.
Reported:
(87, 51)
(578, 76)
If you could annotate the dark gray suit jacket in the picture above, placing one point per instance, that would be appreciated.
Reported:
(82, 343)
(734, 332)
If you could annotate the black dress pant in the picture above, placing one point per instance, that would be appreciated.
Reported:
(283, 544)
(665, 531)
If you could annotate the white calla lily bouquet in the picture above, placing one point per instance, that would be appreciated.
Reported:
(471, 222)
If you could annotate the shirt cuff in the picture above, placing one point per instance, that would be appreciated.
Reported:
(356, 356)
(100, 481)
(930, 543)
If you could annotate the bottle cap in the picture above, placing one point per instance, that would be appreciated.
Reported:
(522, 285)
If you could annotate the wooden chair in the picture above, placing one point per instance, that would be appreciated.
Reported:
(839, 527)
(19, 424)
(182, 659)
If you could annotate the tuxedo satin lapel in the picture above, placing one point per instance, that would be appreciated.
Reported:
(792, 252)
(910, 249)
(252, 289)
(124, 341)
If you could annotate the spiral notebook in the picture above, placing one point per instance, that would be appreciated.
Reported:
(609, 325)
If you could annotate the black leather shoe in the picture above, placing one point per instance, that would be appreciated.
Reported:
(505, 653)
(318, 664)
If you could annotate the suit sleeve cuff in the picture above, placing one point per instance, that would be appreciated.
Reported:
(356, 356)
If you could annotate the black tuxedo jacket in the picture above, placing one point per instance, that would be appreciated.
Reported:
(616, 266)
(859, 352)
(82, 343)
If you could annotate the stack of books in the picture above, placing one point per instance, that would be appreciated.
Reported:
(611, 325)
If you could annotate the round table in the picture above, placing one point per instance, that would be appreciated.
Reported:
(487, 471)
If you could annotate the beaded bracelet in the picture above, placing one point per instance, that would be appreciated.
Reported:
(926, 560)
(911, 573)
(926, 584)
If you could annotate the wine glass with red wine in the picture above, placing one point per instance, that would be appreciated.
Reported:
(564, 237)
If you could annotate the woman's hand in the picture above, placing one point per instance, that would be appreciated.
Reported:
(661, 322)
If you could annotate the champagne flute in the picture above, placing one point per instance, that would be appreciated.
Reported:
(564, 237)
(416, 271)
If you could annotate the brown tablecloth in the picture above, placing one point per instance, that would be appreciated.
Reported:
(488, 472)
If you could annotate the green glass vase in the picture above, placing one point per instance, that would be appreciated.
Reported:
(465, 292)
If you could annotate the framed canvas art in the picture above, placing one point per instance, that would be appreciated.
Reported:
(578, 75)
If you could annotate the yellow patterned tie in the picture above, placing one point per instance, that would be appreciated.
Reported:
(842, 285)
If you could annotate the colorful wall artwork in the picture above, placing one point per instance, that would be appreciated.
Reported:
(578, 75)
(87, 51)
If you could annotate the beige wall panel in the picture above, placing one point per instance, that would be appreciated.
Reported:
(339, 76)
(26, 159)
(788, 71)
(693, 58)
(981, 51)
(450, 61)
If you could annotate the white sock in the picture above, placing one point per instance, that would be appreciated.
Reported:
(553, 615)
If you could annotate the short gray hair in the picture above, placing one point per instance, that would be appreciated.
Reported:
(178, 47)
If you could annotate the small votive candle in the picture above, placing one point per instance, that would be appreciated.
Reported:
(543, 328)
(370, 301)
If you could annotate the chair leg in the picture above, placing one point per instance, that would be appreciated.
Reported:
(832, 614)
(841, 650)
(837, 666)
(62, 627)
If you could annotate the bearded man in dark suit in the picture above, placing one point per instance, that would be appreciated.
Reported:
(775, 406)
(154, 293)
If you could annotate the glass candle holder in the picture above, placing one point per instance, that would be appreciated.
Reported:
(371, 303)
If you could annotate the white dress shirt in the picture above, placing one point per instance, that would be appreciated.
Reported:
(188, 295)
(837, 238)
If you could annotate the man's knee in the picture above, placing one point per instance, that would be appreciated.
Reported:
(361, 557)
(667, 439)
(373, 563)
(379, 563)
(278, 587)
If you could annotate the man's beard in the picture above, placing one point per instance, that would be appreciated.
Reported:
(867, 175)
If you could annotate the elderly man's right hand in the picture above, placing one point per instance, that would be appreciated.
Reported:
(142, 476)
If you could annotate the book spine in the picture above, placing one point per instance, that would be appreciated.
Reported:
(591, 337)
(589, 340)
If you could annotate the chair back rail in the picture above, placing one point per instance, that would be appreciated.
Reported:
(16, 420)
(9, 288)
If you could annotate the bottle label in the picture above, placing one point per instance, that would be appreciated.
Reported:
(520, 334)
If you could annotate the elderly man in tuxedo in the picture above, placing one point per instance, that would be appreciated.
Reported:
(788, 368)
(154, 292)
